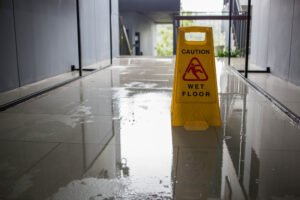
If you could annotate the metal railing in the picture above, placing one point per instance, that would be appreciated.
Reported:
(239, 23)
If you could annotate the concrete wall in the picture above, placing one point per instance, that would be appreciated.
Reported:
(39, 37)
(275, 38)
(135, 22)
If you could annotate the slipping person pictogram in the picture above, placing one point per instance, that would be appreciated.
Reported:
(195, 71)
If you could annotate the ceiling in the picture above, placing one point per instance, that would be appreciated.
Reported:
(159, 11)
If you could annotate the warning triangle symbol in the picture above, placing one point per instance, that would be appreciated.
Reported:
(195, 71)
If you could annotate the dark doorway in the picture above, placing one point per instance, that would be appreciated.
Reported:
(137, 44)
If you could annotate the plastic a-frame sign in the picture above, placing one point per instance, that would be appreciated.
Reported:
(195, 103)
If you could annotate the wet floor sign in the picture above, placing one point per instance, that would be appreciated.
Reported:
(195, 103)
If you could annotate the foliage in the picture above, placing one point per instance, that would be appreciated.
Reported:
(164, 46)
(188, 23)
(225, 53)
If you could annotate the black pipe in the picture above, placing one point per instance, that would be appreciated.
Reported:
(78, 37)
(210, 17)
(248, 39)
(174, 36)
(110, 32)
(229, 32)
(257, 71)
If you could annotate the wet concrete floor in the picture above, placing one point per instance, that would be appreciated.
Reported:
(109, 136)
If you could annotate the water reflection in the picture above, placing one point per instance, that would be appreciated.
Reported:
(154, 161)
(120, 144)
(259, 146)
(196, 164)
(233, 108)
(252, 156)
(146, 143)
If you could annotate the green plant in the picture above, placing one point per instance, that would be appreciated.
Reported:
(225, 53)
(235, 53)
(164, 46)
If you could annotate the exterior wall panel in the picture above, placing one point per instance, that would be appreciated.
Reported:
(46, 38)
(102, 28)
(88, 31)
(115, 28)
(39, 39)
(294, 75)
(8, 57)
(95, 31)
(281, 17)
(275, 39)
(262, 40)
(254, 33)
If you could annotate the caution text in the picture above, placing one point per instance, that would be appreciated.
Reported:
(195, 51)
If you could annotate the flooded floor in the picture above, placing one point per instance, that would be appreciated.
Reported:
(109, 136)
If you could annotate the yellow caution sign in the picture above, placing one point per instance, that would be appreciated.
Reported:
(195, 102)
